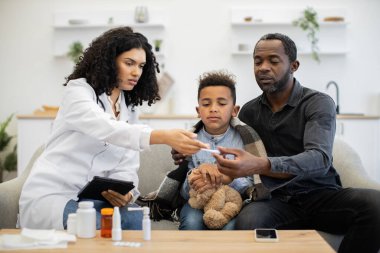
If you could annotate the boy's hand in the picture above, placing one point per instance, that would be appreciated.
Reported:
(212, 171)
(227, 179)
(197, 182)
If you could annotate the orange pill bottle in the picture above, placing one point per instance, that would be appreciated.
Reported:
(106, 222)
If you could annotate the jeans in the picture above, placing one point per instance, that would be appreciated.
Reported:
(192, 219)
(130, 220)
(352, 212)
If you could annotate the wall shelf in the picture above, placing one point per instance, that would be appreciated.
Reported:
(248, 25)
(109, 26)
(322, 24)
(326, 53)
(85, 26)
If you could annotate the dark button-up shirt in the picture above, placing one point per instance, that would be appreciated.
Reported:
(298, 139)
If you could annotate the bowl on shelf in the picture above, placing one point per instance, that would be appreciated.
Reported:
(78, 21)
(333, 19)
(248, 19)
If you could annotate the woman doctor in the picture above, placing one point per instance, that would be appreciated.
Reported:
(96, 133)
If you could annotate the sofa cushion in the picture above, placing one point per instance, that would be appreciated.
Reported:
(154, 165)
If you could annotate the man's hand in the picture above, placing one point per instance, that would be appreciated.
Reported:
(117, 199)
(177, 157)
(244, 164)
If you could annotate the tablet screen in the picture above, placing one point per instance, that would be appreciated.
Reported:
(94, 188)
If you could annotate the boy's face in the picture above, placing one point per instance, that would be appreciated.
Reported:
(215, 108)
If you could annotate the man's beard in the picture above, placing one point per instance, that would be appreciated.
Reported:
(277, 86)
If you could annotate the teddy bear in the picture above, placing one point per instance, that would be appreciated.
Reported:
(220, 205)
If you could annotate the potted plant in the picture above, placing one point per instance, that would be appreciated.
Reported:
(75, 51)
(308, 22)
(157, 45)
(8, 160)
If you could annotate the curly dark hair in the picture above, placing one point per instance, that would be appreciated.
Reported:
(218, 78)
(289, 45)
(98, 65)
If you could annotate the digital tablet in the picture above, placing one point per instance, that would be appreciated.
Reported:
(94, 188)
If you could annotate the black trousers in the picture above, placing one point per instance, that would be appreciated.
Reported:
(355, 213)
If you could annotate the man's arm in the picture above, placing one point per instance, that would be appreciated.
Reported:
(318, 138)
(245, 164)
(316, 159)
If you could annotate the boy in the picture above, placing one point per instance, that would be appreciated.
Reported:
(219, 126)
(216, 107)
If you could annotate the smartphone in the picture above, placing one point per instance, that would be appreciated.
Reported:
(266, 235)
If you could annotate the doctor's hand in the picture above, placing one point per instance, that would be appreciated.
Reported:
(183, 141)
(117, 199)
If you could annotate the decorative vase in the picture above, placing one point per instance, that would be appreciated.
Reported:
(141, 14)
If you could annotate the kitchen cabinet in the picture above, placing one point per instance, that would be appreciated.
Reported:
(248, 25)
(33, 131)
(362, 133)
(79, 26)
(169, 121)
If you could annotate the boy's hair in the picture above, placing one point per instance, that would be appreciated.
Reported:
(218, 78)
(289, 45)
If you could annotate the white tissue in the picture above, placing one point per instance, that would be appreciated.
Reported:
(36, 239)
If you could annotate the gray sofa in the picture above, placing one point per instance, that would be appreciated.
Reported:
(157, 162)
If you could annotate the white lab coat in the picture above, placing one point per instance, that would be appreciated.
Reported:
(86, 141)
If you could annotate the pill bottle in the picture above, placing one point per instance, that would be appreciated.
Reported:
(72, 224)
(86, 220)
(106, 222)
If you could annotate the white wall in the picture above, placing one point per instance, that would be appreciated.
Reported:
(198, 39)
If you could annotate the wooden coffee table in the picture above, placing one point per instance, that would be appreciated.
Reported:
(166, 241)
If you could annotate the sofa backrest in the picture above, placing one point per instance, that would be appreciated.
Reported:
(350, 168)
(154, 165)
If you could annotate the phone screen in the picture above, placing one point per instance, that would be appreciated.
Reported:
(266, 233)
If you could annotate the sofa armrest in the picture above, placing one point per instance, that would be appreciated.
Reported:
(10, 194)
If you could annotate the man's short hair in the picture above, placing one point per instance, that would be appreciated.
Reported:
(289, 45)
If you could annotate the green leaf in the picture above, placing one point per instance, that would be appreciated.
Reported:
(75, 51)
(4, 137)
(308, 22)
(10, 159)
(10, 162)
